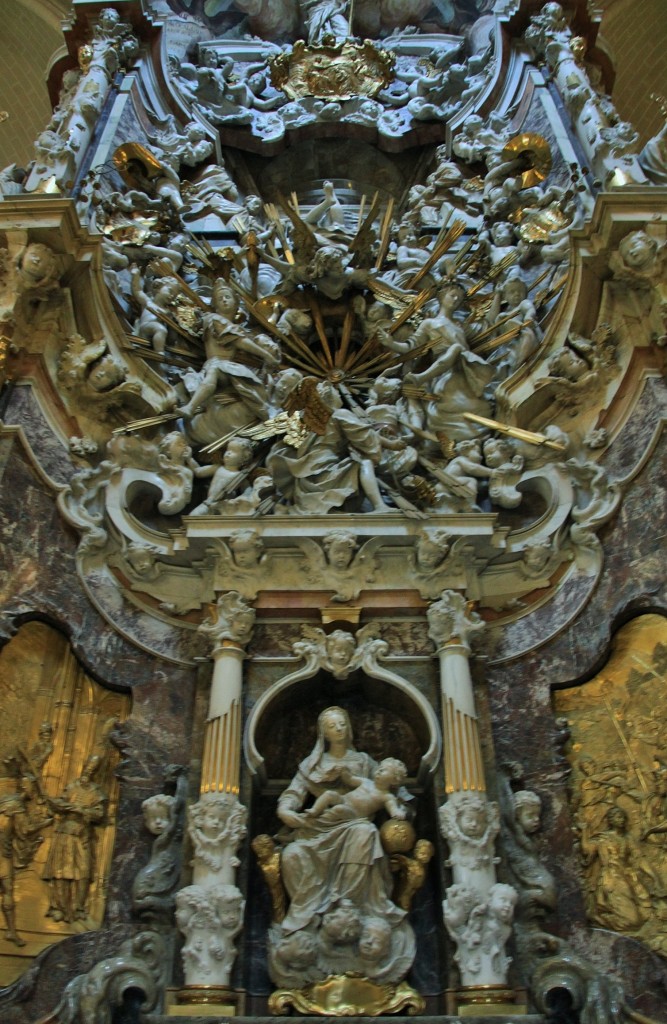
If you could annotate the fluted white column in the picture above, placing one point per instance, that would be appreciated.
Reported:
(210, 911)
(478, 909)
(451, 625)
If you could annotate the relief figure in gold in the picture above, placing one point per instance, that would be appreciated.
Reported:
(69, 867)
(19, 840)
(621, 901)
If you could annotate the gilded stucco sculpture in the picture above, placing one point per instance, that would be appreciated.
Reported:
(326, 349)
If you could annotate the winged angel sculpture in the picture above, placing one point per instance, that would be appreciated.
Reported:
(343, 351)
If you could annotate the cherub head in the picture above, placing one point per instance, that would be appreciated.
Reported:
(210, 814)
(406, 234)
(375, 940)
(502, 900)
(264, 847)
(342, 924)
(229, 905)
(390, 773)
(194, 132)
(158, 810)
(166, 290)
(431, 549)
(339, 546)
(470, 449)
(527, 810)
(497, 452)
(247, 548)
(38, 263)
(536, 556)
(297, 950)
(423, 851)
(141, 559)
(175, 447)
(107, 373)
(567, 364)
(471, 816)
(340, 649)
(238, 453)
(472, 124)
(502, 233)
(514, 290)
(638, 250)
(109, 19)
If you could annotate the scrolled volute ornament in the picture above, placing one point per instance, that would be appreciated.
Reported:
(451, 619)
(91, 998)
(597, 999)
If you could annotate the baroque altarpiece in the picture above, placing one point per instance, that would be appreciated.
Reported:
(332, 349)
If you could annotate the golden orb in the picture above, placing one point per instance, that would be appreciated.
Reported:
(397, 836)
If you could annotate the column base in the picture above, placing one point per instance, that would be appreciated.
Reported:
(205, 1001)
(485, 1001)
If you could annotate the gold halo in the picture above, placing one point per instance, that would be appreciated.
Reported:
(135, 151)
(536, 149)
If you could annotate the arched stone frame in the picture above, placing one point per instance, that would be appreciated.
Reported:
(430, 758)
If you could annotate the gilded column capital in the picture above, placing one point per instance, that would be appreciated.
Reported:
(451, 620)
(231, 623)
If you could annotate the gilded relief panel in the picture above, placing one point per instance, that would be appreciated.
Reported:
(618, 755)
(58, 794)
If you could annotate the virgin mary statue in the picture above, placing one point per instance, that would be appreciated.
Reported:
(334, 868)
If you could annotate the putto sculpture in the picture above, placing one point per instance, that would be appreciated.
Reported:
(289, 309)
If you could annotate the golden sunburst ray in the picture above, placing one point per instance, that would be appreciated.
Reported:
(494, 343)
(345, 338)
(147, 421)
(385, 234)
(439, 250)
(419, 300)
(318, 320)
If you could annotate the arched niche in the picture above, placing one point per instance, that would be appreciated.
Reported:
(55, 718)
(390, 717)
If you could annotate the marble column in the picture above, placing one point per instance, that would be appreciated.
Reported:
(210, 911)
(451, 626)
(477, 910)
